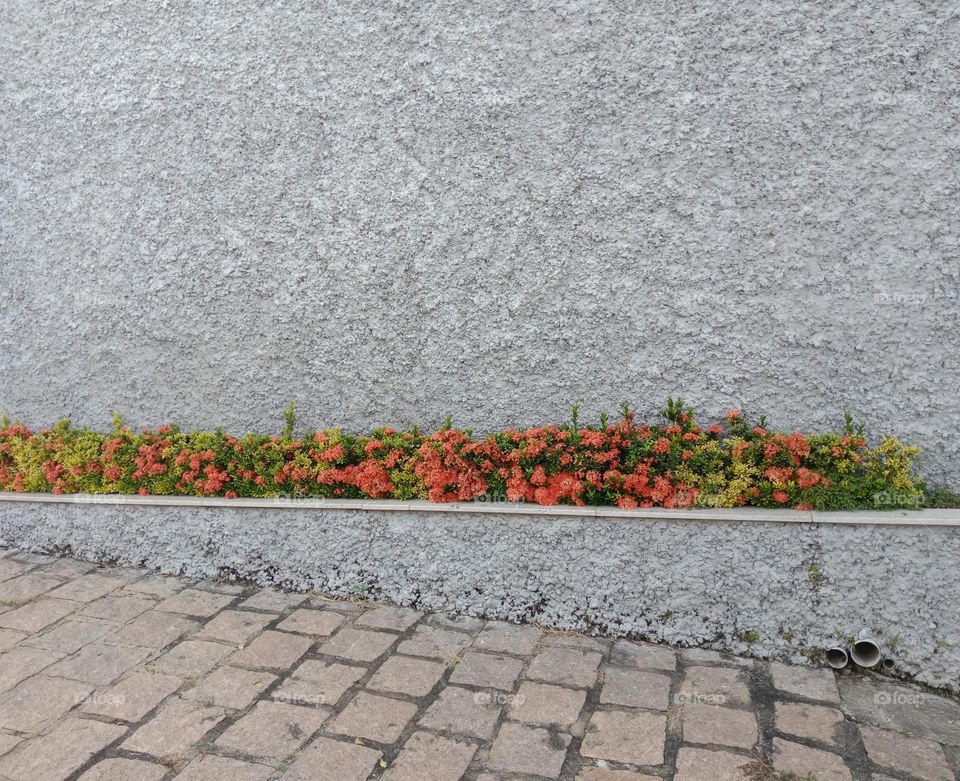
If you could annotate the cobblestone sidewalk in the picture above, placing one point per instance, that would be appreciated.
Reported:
(114, 674)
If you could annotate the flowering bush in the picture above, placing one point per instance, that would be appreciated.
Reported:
(675, 463)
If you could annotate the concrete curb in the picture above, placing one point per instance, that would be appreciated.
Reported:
(860, 517)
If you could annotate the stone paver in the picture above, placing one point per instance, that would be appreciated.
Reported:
(60, 752)
(133, 697)
(622, 736)
(230, 687)
(99, 664)
(568, 666)
(407, 675)
(431, 756)
(208, 767)
(720, 726)
(272, 729)
(235, 626)
(492, 671)
(543, 703)
(124, 770)
(373, 717)
(520, 748)
(815, 722)
(333, 759)
(923, 758)
(121, 674)
(635, 688)
(173, 730)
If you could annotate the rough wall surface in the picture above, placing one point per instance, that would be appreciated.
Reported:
(766, 589)
(388, 212)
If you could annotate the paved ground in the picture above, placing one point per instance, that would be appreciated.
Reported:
(121, 674)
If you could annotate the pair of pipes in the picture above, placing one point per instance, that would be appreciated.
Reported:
(863, 653)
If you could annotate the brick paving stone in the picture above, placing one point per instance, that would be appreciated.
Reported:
(714, 686)
(23, 588)
(463, 712)
(234, 626)
(133, 697)
(620, 736)
(542, 703)
(158, 586)
(230, 687)
(272, 729)
(172, 731)
(117, 607)
(68, 568)
(38, 614)
(443, 644)
(492, 671)
(7, 742)
(644, 657)
(373, 717)
(426, 756)
(720, 726)
(605, 774)
(210, 767)
(565, 665)
(399, 619)
(316, 682)
(809, 721)
(152, 630)
(60, 752)
(519, 748)
(9, 638)
(10, 568)
(70, 636)
(458, 623)
(575, 641)
(358, 644)
(706, 656)
(699, 764)
(806, 682)
(191, 658)
(196, 603)
(901, 708)
(318, 623)
(21, 662)
(500, 637)
(124, 770)
(275, 650)
(273, 601)
(332, 759)
(34, 704)
(87, 588)
(918, 756)
(99, 664)
(635, 688)
(790, 757)
(406, 675)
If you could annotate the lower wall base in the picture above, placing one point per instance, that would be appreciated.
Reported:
(756, 588)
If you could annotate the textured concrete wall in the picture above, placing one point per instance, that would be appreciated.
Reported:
(392, 211)
(789, 588)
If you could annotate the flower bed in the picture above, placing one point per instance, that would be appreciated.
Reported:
(675, 463)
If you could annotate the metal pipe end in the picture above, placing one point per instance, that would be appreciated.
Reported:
(837, 658)
(888, 664)
(865, 653)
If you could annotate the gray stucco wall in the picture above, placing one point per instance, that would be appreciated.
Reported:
(493, 209)
(791, 589)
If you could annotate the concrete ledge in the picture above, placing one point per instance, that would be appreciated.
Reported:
(860, 517)
(768, 584)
